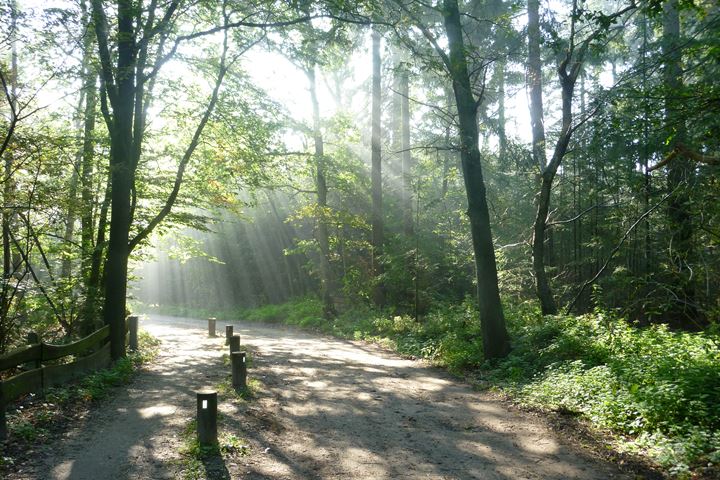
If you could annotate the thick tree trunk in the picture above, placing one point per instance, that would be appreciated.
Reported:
(121, 170)
(327, 282)
(496, 342)
(376, 176)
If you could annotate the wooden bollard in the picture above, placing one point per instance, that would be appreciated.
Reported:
(133, 337)
(211, 327)
(234, 344)
(239, 369)
(228, 334)
(207, 417)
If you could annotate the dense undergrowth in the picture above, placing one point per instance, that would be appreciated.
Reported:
(657, 390)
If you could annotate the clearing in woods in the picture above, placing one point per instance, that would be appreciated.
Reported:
(324, 409)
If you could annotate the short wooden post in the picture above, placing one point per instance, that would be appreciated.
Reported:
(211, 327)
(207, 417)
(234, 344)
(239, 369)
(33, 339)
(133, 327)
(228, 334)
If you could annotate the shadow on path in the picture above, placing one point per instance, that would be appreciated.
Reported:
(325, 409)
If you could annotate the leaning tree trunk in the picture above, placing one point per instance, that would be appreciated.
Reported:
(496, 342)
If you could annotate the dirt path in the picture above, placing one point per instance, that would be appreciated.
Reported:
(326, 409)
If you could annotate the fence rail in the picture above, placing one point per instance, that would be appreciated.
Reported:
(89, 354)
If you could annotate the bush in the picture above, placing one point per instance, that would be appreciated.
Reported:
(662, 388)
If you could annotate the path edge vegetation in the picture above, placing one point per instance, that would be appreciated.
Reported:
(41, 419)
(649, 392)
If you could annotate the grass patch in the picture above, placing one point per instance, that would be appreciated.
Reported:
(226, 390)
(195, 458)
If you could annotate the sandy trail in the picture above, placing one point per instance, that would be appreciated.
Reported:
(326, 409)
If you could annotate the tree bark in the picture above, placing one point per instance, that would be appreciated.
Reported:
(407, 165)
(327, 281)
(376, 176)
(680, 170)
(496, 342)
(8, 181)
(534, 80)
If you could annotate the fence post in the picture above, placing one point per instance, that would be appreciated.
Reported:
(133, 326)
(239, 369)
(234, 344)
(228, 334)
(207, 417)
(32, 339)
(211, 327)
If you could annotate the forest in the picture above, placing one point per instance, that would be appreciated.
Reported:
(526, 193)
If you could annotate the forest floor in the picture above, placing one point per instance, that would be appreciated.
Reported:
(320, 408)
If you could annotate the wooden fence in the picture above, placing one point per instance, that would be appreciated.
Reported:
(88, 354)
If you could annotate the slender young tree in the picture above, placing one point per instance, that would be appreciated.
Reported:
(327, 280)
(568, 70)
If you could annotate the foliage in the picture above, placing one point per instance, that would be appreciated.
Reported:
(658, 387)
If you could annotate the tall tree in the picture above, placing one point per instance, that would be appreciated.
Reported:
(680, 170)
(127, 92)
(495, 339)
(376, 174)
(568, 69)
(327, 279)
(547, 172)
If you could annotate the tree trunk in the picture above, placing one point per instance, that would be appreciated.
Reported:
(406, 159)
(376, 176)
(542, 285)
(680, 171)
(8, 181)
(534, 79)
(88, 200)
(121, 169)
(496, 342)
(327, 283)
(502, 135)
